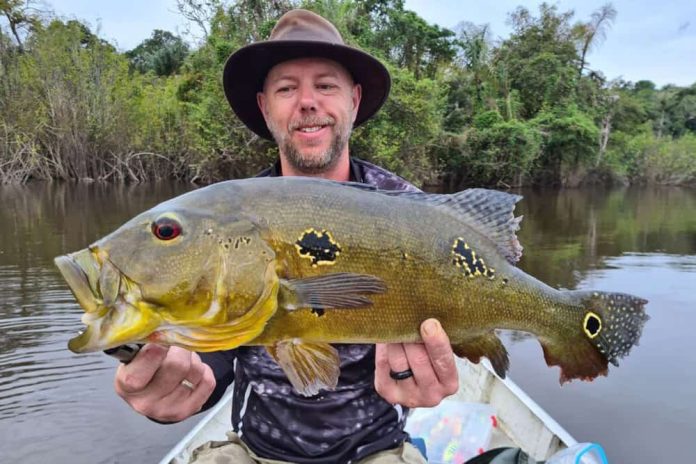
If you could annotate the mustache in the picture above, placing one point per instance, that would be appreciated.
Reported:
(312, 121)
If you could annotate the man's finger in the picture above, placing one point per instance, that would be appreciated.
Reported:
(181, 386)
(398, 361)
(382, 380)
(175, 368)
(183, 402)
(204, 388)
(440, 351)
(196, 371)
(419, 362)
(135, 376)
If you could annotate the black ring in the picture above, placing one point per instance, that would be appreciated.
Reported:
(400, 375)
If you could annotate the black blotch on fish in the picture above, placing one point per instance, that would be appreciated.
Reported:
(319, 311)
(318, 246)
(465, 257)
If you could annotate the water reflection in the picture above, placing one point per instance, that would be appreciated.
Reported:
(641, 241)
(569, 232)
(43, 386)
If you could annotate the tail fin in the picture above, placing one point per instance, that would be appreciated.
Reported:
(611, 325)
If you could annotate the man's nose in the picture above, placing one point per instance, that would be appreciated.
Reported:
(308, 100)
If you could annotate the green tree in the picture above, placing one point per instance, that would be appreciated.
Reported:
(163, 53)
(592, 33)
(22, 16)
(403, 37)
(491, 152)
(540, 59)
(682, 112)
(569, 145)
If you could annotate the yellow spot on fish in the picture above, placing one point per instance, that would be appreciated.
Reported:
(319, 246)
(592, 325)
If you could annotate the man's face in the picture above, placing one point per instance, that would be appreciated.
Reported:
(309, 105)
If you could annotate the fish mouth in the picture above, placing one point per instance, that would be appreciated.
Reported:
(115, 313)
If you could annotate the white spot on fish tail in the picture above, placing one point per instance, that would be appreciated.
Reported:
(243, 409)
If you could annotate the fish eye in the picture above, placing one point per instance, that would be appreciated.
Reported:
(166, 228)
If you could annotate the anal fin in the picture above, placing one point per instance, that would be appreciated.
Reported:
(578, 359)
(488, 345)
(310, 367)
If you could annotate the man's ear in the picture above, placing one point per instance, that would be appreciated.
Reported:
(356, 96)
(261, 101)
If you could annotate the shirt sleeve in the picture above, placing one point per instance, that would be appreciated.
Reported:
(222, 364)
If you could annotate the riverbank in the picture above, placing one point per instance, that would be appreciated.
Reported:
(462, 110)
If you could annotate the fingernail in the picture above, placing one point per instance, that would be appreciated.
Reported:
(431, 327)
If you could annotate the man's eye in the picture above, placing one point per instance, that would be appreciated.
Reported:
(326, 86)
(284, 89)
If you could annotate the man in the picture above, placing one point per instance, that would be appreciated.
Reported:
(306, 90)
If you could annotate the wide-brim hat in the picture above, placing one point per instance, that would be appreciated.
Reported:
(299, 34)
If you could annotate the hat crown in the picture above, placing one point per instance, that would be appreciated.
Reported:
(305, 25)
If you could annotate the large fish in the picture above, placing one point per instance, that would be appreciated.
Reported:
(295, 264)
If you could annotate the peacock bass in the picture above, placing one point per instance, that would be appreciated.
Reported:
(296, 264)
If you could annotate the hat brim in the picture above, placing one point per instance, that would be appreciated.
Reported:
(246, 70)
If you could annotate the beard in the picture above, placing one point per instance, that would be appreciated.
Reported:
(312, 163)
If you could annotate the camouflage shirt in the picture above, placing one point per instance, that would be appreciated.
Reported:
(338, 426)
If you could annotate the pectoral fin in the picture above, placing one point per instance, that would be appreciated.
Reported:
(310, 367)
(488, 345)
(339, 290)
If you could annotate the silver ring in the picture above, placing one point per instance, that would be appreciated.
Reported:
(187, 383)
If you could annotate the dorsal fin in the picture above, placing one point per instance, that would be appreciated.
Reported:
(489, 212)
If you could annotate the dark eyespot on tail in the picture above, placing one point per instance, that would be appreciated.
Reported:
(608, 326)
(617, 320)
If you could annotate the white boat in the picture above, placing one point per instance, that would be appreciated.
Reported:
(520, 422)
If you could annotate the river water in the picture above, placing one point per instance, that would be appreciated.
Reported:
(59, 407)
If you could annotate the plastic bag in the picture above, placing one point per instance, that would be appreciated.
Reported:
(454, 431)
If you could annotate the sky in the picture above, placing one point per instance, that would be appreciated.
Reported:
(649, 40)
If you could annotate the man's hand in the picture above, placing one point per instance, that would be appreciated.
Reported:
(432, 363)
(165, 384)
